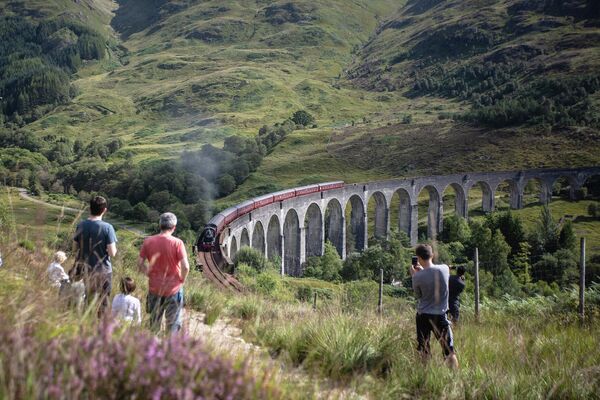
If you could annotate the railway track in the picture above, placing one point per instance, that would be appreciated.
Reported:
(210, 264)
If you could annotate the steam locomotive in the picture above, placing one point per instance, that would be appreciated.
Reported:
(208, 239)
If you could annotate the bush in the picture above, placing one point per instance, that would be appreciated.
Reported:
(117, 366)
(326, 267)
(303, 118)
(252, 258)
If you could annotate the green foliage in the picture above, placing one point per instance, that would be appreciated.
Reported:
(566, 238)
(521, 265)
(510, 226)
(388, 255)
(493, 249)
(303, 118)
(560, 267)
(252, 258)
(456, 229)
(545, 236)
(360, 294)
(27, 244)
(326, 267)
(36, 60)
(593, 210)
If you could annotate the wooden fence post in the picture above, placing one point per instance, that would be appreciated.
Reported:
(476, 282)
(380, 302)
(315, 301)
(582, 280)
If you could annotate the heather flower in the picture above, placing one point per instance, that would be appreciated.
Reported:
(119, 366)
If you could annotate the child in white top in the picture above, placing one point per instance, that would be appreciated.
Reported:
(56, 272)
(124, 306)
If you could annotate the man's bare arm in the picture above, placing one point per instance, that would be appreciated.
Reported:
(185, 268)
(142, 266)
(111, 249)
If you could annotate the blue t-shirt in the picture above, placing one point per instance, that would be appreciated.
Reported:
(93, 238)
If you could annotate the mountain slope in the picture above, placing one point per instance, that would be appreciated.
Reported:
(515, 61)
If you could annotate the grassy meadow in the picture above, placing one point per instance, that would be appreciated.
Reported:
(518, 348)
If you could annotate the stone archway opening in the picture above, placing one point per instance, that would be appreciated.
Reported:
(244, 239)
(233, 249)
(561, 188)
(591, 188)
(258, 237)
(291, 244)
(536, 192)
(507, 196)
(454, 200)
(334, 225)
(377, 217)
(313, 223)
(274, 240)
(429, 209)
(400, 212)
(480, 199)
(355, 224)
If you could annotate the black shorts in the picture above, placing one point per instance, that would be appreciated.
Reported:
(439, 325)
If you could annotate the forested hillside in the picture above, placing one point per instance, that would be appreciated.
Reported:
(172, 104)
(514, 61)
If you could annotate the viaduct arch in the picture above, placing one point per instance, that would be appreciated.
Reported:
(293, 229)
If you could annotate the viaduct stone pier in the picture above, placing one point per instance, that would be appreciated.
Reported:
(295, 229)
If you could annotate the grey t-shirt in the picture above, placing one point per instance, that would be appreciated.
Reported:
(431, 288)
(93, 238)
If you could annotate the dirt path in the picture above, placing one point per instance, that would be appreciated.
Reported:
(226, 339)
(24, 195)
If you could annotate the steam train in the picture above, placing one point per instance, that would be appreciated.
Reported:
(208, 239)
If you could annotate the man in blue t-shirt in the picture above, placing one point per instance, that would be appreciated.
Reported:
(95, 243)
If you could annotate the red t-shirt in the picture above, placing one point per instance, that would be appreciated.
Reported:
(163, 254)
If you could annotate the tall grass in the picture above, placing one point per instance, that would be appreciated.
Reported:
(518, 348)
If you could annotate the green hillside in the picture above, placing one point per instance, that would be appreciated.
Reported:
(395, 88)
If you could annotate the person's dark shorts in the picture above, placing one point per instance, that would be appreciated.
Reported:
(454, 310)
(440, 326)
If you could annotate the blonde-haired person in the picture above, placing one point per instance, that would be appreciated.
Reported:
(56, 272)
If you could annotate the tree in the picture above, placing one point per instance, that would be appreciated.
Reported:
(545, 237)
(521, 265)
(140, 212)
(160, 200)
(567, 239)
(511, 227)
(303, 118)
(326, 267)
(226, 184)
(493, 249)
(456, 229)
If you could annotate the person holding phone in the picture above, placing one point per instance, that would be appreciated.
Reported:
(430, 284)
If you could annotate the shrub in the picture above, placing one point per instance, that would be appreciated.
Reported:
(303, 118)
(252, 258)
(326, 267)
(27, 244)
(116, 366)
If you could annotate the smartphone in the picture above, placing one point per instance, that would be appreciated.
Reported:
(415, 261)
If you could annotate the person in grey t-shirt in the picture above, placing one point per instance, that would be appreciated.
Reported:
(430, 284)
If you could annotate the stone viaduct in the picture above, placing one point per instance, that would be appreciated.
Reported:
(294, 229)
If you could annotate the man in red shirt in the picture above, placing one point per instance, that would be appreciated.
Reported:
(164, 260)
